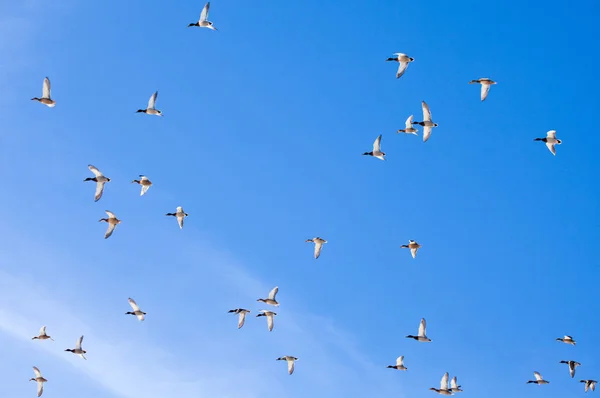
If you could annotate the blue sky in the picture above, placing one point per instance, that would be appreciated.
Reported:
(265, 121)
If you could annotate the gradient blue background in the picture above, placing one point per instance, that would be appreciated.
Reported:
(264, 124)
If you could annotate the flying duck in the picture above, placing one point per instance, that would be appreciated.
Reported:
(271, 299)
(403, 61)
(46, 100)
(99, 179)
(567, 340)
(290, 362)
(242, 315)
(409, 129)
(422, 337)
(376, 152)
(413, 246)
(550, 141)
(136, 310)
(151, 109)
(40, 381)
(318, 245)
(444, 390)
(42, 335)
(78, 350)
(539, 380)
(144, 182)
(485, 86)
(203, 22)
(427, 123)
(454, 387)
(112, 221)
(399, 364)
(589, 384)
(269, 315)
(572, 366)
(180, 214)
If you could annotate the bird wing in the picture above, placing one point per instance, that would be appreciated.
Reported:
(318, 246)
(592, 386)
(46, 88)
(152, 100)
(99, 190)
(204, 14)
(551, 134)
(270, 321)
(241, 319)
(110, 214)
(401, 69)
(95, 170)
(37, 372)
(422, 327)
(400, 361)
(485, 89)
(377, 144)
(40, 388)
(453, 383)
(290, 363)
(273, 292)
(413, 251)
(79, 341)
(409, 122)
(426, 111)
(144, 189)
(109, 230)
(444, 382)
(426, 133)
(537, 376)
(180, 221)
(133, 304)
(43, 330)
(551, 148)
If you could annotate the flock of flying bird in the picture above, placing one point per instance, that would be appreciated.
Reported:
(447, 387)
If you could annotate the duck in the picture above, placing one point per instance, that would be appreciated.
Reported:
(550, 141)
(290, 362)
(39, 380)
(454, 387)
(403, 61)
(99, 179)
(444, 390)
(180, 214)
(136, 310)
(271, 299)
(151, 109)
(46, 99)
(242, 315)
(203, 22)
(539, 380)
(422, 337)
(269, 315)
(486, 83)
(318, 245)
(376, 152)
(112, 221)
(413, 246)
(567, 340)
(589, 384)
(426, 123)
(42, 335)
(399, 364)
(409, 129)
(78, 350)
(144, 182)
(572, 366)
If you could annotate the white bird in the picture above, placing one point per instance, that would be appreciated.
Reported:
(589, 384)
(151, 109)
(203, 22)
(572, 366)
(444, 390)
(136, 310)
(454, 387)
(78, 350)
(42, 335)
(567, 340)
(422, 330)
(242, 316)
(403, 61)
(269, 315)
(112, 221)
(40, 381)
(46, 99)
(144, 182)
(550, 141)
(399, 364)
(376, 152)
(485, 86)
(318, 245)
(426, 123)
(413, 246)
(409, 129)
(180, 214)
(539, 380)
(290, 362)
(100, 180)
(271, 299)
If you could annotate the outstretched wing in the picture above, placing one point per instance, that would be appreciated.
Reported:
(401, 69)
(426, 112)
(318, 246)
(99, 190)
(444, 382)
(413, 252)
(485, 89)
(270, 321)
(204, 14)
(133, 304)
(43, 331)
(95, 170)
(409, 122)
(180, 221)
(377, 144)
(400, 361)
(422, 327)
(290, 363)
(454, 383)
(109, 230)
(79, 341)
(551, 134)
(152, 100)
(241, 319)
(551, 148)
(37, 372)
(46, 88)
(426, 133)
(537, 376)
(273, 292)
